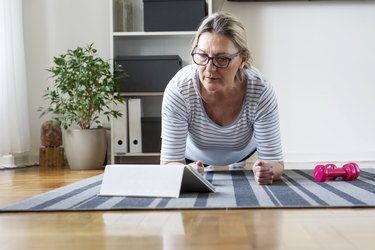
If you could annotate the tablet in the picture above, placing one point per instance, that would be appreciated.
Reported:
(152, 180)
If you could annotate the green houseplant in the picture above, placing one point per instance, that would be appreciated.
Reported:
(84, 90)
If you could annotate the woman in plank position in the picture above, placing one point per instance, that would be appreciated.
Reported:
(220, 110)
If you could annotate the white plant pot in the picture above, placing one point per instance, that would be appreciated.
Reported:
(86, 148)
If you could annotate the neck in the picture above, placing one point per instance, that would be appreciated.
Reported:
(233, 90)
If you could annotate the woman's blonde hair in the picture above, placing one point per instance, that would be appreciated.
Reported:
(224, 23)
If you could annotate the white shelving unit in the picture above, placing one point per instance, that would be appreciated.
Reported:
(136, 42)
(153, 33)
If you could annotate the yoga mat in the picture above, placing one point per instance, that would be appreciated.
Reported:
(234, 189)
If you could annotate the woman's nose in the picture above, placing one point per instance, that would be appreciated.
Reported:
(210, 65)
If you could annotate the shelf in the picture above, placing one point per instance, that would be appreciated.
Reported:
(138, 154)
(135, 41)
(141, 158)
(130, 94)
(156, 33)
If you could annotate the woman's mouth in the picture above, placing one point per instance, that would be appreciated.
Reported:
(210, 78)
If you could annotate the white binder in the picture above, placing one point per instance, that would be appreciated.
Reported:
(135, 129)
(120, 130)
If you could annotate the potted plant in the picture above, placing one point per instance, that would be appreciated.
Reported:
(84, 90)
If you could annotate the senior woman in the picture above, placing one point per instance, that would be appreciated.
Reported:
(220, 110)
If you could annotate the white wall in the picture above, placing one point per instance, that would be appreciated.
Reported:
(50, 28)
(318, 55)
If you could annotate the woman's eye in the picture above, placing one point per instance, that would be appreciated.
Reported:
(202, 57)
(221, 60)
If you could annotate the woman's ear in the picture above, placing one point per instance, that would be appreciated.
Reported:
(245, 58)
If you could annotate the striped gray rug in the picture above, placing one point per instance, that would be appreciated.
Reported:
(235, 189)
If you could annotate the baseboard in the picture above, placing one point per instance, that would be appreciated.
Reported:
(296, 158)
(330, 157)
(309, 161)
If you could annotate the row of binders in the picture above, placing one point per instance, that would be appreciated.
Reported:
(128, 128)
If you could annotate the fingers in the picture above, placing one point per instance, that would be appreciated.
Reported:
(263, 172)
(199, 166)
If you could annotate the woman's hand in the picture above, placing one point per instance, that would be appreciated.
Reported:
(266, 172)
(263, 172)
(199, 166)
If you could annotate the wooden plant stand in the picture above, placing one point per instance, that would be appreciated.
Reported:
(51, 157)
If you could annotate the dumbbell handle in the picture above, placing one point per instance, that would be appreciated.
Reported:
(336, 172)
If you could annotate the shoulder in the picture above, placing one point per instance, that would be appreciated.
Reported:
(259, 90)
(254, 74)
(256, 81)
(183, 76)
(181, 81)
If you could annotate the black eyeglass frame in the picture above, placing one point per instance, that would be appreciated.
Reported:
(209, 58)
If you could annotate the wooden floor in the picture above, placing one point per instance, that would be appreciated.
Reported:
(300, 229)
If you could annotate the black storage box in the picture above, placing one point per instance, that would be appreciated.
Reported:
(173, 15)
(151, 132)
(148, 73)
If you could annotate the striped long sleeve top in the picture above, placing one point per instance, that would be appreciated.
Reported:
(187, 131)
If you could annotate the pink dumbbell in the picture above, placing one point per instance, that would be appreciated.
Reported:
(329, 172)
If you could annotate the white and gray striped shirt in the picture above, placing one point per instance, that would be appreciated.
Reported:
(187, 131)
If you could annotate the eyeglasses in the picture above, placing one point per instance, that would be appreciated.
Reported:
(219, 61)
